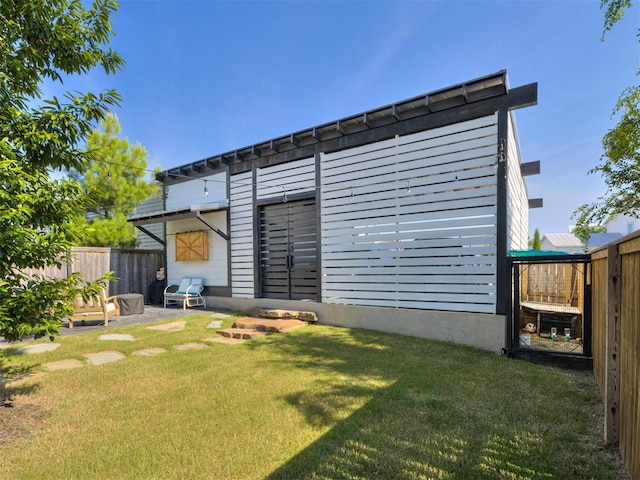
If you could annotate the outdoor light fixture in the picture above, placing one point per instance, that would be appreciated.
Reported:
(206, 190)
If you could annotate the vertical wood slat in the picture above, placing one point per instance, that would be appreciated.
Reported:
(616, 343)
(612, 381)
(629, 364)
(135, 269)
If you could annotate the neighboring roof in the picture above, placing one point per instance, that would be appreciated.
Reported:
(563, 240)
(479, 96)
(598, 239)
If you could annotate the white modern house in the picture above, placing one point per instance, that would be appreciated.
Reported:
(399, 218)
(622, 224)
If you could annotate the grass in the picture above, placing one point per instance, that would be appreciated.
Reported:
(317, 403)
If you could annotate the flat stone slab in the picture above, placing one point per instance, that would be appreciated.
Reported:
(277, 313)
(266, 325)
(63, 364)
(225, 340)
(169, 327)
(192, 346)
(121, 337)
(40, 348)
(220, 315)
(149, 352)
(242, 333)
(215, 324)
(100, 358)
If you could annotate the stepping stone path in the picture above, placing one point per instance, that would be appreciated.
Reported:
(40, 348)
(262, 322)
(169, 327)
(149, 352)
(122, 337)
(100, 358)
(225, 340)
(191, 346)
(63, 364)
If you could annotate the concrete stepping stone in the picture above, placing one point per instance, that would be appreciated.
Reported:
(121, 337)
(63, 364)
(220, 315)
(100, 358)
(243, 333)
(215, 324)
(226, 340)
(278, 313)
(40, 348)
(265, 325)
(169, 327)
(149, 352)
(191, 346)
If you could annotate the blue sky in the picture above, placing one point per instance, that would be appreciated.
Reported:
(206, 77)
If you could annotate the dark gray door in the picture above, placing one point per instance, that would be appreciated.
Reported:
(288, 251)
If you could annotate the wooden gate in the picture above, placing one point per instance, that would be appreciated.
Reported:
(288, 251)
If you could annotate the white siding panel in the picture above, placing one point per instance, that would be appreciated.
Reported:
(185, 194)
(241, 220)
(517, 197)
(144, 241)
(289, 178)
(214, 271)
(411, 222)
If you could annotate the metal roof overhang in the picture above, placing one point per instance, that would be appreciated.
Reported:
(194, 211)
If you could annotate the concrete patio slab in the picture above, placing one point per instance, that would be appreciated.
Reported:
(100, 358)
(121, 337)
(40, 348)
(169, 327)
(63, 364)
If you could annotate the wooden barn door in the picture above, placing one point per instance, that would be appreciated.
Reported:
(288, 251)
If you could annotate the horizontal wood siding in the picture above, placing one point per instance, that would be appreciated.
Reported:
(517, 198)
(144, 241)
(290, 178)
(241, 218)
(411, 222)
(185, 194)
(213, 270)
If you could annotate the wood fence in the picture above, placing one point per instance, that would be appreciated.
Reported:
(135, 269)
(616, 343)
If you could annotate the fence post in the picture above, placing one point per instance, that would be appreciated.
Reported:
(612, 347)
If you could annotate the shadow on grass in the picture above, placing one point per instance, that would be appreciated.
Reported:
(9, 374)
(397, 407)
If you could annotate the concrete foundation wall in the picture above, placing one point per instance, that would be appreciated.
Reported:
(479, 330)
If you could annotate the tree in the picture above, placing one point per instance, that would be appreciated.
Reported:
(45, 40)
(620, 162)
(583, 232)
(535, 243)
(113, 185)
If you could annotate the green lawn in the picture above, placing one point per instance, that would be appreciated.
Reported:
(316, 403)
